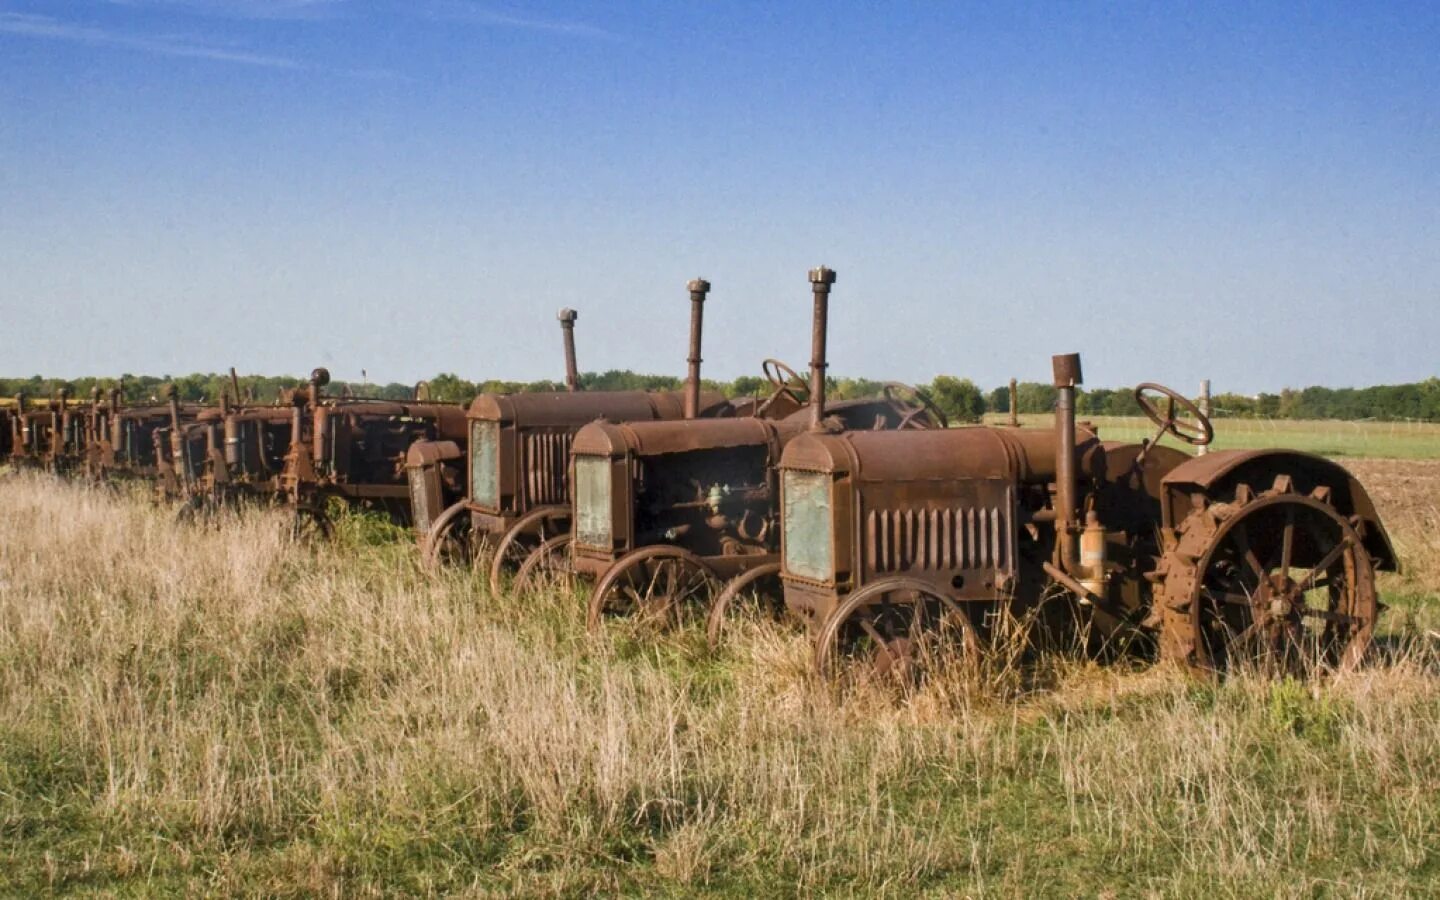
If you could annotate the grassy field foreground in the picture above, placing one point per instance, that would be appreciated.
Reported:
(223, 711)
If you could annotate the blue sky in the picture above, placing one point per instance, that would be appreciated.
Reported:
(1249, 193)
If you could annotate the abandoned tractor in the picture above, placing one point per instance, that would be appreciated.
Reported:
(123, 437)
(895, 543)
(235, 453)
(97, 435)
(257, 439)
(68, 434)
(354, 450)
(665, 512)
(47, 434)
(29, 433)
(517, 475)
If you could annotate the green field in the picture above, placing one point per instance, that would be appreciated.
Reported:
(223, 711)
(1395, 440)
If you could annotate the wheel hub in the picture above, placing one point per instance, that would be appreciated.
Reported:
(1282, 594)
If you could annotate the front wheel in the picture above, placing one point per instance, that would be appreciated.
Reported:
(547, 567)
(660, 585)
(532, 530)
(756, 590)
(891, 630)
(447, 540)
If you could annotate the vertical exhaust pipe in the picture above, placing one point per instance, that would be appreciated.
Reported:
(172, 399)
(567, 319)
(1067, 376)
(299, 402)
(177, 443)
(698, 289)
(114, 420)
(232, 441)
(234, 385)
(318, 379)
(60, 423)
(22, 422)
(94, 421)
(1014, 404)
(820, 281)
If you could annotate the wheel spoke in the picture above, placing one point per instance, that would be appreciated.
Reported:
(869, 629)
(1242, 535)
(1327, 615)
(1308, 582)
(1287, 543)
(1242, 600)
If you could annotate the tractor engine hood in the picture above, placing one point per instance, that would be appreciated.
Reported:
(950, 454)
(649, 439)
(577, 408)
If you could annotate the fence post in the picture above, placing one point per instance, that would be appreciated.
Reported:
(1204, 408)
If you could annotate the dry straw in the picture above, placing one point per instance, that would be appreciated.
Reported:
(223, 710)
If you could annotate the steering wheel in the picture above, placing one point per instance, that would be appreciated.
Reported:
(1196, 433)
(910, 403)
(785, 382)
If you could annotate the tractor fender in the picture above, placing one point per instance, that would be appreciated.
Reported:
(427, 483)
(1215, 476)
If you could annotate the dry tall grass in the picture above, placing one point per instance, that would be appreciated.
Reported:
(221, 710)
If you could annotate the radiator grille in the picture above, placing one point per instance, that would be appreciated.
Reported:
(899, 540)
(547, 456)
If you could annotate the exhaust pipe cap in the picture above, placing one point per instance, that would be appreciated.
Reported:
(822, 275)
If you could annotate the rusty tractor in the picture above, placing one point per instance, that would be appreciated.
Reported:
(257, 439)
(896, 543)
(181, 447)
(354, 450)
(66, 433)
(665, 512)
(48, 434)
(29, 433)
(517, 476)
(231, 453)
(123, 437)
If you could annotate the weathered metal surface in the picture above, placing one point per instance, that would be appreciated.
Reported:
(1221, 471)
(890, 535)
(821, 279)
(355, 449)
(517, 474)
(707, 487)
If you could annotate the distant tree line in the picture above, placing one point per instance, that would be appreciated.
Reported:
(958, 398)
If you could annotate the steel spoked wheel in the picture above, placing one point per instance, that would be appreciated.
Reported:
(546, 568)
(756, 591)
(533, 529)
(893, 630)
(1283, 584)
(447, 540)
(661, 586)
